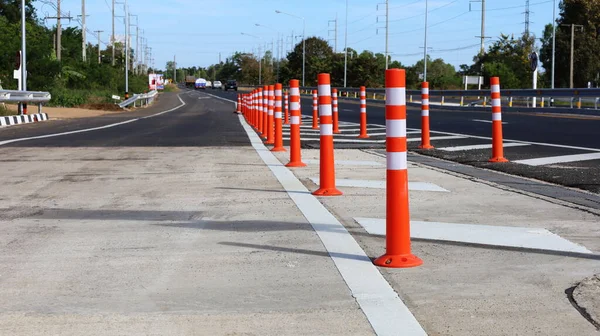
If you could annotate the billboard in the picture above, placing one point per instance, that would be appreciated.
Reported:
(152, 82)
(160, 82)
(156, 82)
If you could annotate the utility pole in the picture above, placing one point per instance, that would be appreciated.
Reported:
(83, 31)
(387, 30)
(572, 49)
(129, 37)
(113, 33)
(58, 32)
(334, 30)
(527, 12)
(346, 46)
(137, 46)
(482, 37)
(553, 42)
(23, 59)
(127, 19)
(99, 54)
(425, 43)
(482, 26)
(175, 69)
(58, 18)
(387, 25)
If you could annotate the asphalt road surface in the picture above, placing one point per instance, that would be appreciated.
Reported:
(197, 122)
(561, 149)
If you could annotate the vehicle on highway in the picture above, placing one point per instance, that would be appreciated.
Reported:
(217, 85)
(231, 84)
(200, 83)
(209, 84)
(189, 81)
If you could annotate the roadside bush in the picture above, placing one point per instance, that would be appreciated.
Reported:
(68, 98)
(4, 111)
(171, 88)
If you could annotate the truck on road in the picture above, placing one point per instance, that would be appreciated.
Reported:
(190, 81)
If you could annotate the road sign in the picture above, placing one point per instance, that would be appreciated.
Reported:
(533, 60)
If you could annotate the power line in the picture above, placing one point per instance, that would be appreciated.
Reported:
(520, 6)
(433, 25)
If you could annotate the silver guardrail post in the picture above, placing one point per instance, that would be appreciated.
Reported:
(596, 103)
(442, 103)
(572, 99)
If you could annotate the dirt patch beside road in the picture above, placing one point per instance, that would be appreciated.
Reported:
(86, 111)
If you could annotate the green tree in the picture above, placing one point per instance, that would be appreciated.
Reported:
(11, 10)
(319, 55)
(586, 47)
(507, 58)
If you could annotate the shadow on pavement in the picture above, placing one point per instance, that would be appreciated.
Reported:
(265, 190)
(592, 256)
(300, 251)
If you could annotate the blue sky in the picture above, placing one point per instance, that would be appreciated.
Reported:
(198, 30)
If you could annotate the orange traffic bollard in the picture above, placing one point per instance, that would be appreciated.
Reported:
(266, 111)
(315, 111)
(278, 121)
(497, 139)
(363, 113)
(286, 108)
(425, 142)
(253, 108)
(295, 152)
(327, 161)
(238, 109)
(334, 99)
(259, 98)
(397, 237)
(270, 128)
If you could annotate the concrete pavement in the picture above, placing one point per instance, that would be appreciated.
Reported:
(125, 236)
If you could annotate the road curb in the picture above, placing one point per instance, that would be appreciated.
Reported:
(23, 119)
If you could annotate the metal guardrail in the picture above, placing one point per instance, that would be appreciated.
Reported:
(14, 96)
(146, 99)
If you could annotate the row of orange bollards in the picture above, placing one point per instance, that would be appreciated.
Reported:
(263, 110)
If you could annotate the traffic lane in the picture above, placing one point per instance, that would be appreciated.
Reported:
(165, 101)
(570, 131)
(203, 121)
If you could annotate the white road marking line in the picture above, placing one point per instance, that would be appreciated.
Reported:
(340, 140)
(334, 135)
(521, 237)
(559, 159)
(347, 162)
(473, 147)
(377, 299)
(343, 130)
(488, 121)
(378, 184)
(519, 141)
(95, 128)
(450, 137)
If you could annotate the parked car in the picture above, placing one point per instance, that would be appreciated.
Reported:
(231, 84)
(217, 85)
